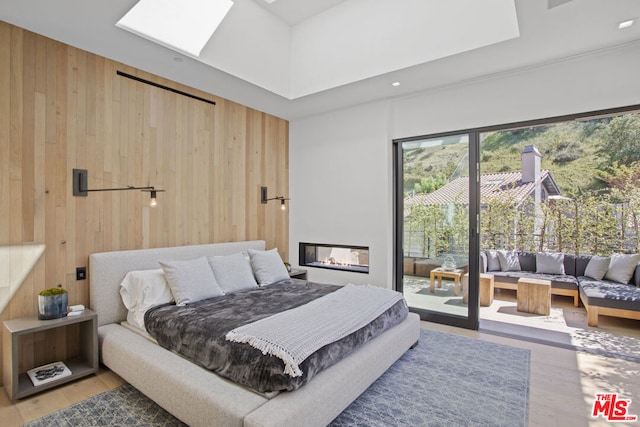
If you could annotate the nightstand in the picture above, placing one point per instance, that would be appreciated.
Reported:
(17, 384)
(298, 273)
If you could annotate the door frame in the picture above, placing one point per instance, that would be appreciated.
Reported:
(472, 319)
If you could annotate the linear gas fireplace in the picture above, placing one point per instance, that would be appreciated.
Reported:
(335, 257)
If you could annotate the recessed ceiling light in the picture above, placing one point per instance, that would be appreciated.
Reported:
(626, 24)
(395, 84)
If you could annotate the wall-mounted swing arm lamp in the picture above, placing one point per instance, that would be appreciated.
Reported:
(264, 199)
(81, 182)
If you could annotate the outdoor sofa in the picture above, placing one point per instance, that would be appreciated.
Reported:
(606, 285)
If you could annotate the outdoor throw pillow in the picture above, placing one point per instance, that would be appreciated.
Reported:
(597, 267)
(621, 267)
(550, 263)
(509, 261)
(493, 263)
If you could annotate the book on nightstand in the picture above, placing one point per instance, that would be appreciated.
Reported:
(47, 373)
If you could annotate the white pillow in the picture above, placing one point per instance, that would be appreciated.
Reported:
(191, 281)
(550, 263)
(597, 267)
(509, 261)
(233, 272)
(142, 290)
(268, 267)
(621, 267)
(493, 263)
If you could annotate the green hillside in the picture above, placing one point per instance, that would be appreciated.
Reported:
(575, 152)
(570, 151)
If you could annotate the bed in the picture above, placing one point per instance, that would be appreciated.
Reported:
(199, 397)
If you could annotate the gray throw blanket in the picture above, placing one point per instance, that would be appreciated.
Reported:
(197, 331)
(295, 334)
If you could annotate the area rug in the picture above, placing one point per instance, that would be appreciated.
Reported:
(447, 380)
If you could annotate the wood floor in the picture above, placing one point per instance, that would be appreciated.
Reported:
(563, 386)
(39, 405)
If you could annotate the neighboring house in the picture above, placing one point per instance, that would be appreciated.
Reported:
(529, 183)
(524, 188)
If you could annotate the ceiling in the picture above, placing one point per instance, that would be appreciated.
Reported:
(547, 32)
(296, 11)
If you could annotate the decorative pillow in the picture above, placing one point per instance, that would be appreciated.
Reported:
(509, 261)
(268, 267)
(233, 272)
(597, 267)
(550, 263)
(493, 263)
(140, 290)
(527, 261)
(621, 267)
(191, 281)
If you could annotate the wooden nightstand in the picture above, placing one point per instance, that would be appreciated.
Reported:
(17, 384)
(298, 273)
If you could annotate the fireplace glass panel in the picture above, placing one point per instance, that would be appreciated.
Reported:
(335, 257)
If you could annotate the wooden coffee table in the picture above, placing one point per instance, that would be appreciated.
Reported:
(440, 272)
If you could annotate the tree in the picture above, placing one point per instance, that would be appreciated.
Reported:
(497, 222)
(621, 139)
(624, 182)
(430, 183)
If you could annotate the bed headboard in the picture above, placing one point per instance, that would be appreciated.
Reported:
(107, 269)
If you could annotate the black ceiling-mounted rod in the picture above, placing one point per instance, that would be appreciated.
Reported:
(170, 89)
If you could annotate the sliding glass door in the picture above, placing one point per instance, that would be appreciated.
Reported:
(436, 215)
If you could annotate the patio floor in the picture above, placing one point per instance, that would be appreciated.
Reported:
(566, 325)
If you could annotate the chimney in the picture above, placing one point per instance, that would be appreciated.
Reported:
(530, 164)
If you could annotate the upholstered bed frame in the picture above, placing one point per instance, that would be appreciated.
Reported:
(199, 397)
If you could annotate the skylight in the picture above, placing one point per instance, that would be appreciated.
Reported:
(185, 26)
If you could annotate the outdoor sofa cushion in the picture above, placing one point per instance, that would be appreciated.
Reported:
(605, 293)
(558, 281)
(573, 266)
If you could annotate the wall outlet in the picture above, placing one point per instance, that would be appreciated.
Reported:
(81, 273)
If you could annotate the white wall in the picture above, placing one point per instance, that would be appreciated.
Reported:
(339, 172)
(340, 167)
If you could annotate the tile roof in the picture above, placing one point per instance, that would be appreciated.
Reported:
(504, 186)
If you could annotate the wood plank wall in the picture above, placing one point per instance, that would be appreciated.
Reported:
(63, 108)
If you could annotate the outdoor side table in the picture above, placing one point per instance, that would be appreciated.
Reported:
(439, 273)
(534, 296)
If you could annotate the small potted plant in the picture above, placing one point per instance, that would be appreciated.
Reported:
(52, 303)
